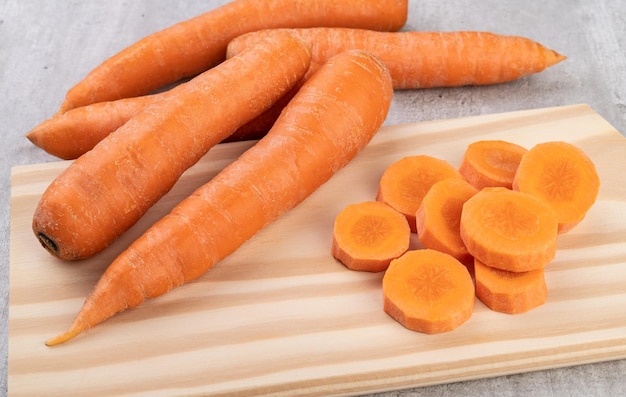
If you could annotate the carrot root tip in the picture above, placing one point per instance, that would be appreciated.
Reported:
(64, 337)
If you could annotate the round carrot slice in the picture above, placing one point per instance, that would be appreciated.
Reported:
(439, 216)
(428, 291)
(368, 235)
(509, 230)
(491, 163)
(562, 175)
(405, 182)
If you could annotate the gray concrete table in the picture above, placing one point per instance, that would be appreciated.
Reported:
(46, 46)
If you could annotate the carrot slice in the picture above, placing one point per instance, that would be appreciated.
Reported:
(562, 175)
(491, 163)
(509, 230)
(428, 291)
(510, 292)
(404, 183)
(368, 235)
(438, 218)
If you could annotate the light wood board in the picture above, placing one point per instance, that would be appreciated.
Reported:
(282, 317)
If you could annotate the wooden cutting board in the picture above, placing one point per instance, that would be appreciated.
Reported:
(282, 317)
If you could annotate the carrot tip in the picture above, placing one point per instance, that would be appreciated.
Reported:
(64, 337)
(65, 106)
(76, 328)
(558, 57)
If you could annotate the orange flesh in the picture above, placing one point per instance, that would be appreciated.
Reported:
(368, 235)
(563, 176)
(405, 183)
(438, 218)
(428, 291)
(491, 163)
(509, 230)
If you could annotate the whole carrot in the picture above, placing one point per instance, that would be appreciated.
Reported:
(333, 116)
(193, 46)
(105, 191)
(427, 59)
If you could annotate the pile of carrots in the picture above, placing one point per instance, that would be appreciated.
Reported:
(312, 79)
(487, 230)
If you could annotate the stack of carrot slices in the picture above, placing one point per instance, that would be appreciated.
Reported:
(497, 218)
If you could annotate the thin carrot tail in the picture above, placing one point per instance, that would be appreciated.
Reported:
(76, 328)
(120, 288)
(555, 58)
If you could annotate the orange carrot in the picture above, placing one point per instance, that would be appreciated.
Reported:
(562, 175)
(438, 218)
(258, 127)
(428, 291)
(73, 133)
(510, 292)
(195, 45)
(428, 59)
(368, 235)
(105, 191)
(333, 116)
(491, 163)
(405, 183)
(509, 230)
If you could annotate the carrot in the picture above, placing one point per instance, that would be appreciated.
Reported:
(404, 183)
(428, 59)
(428, 291)
(333, 116)
(509, 230)
(510, 292)
(105, 191)
(197, 44)
(438, 218)
(258, 127)
(491, 163)
(562, 175)
(73, 133)
(368, 235)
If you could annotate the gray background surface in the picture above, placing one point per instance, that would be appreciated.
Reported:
(47, 46)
